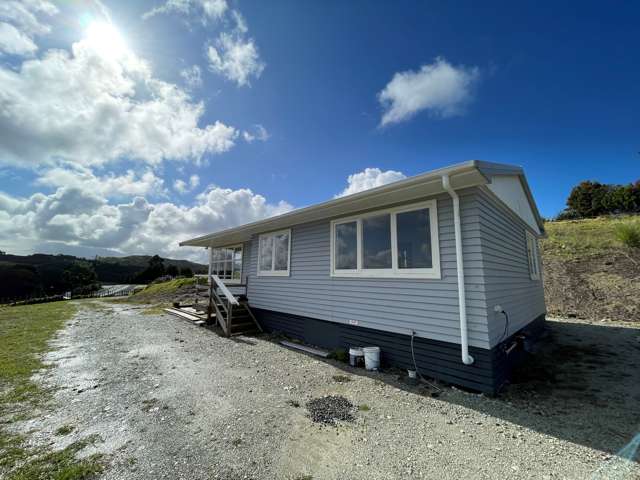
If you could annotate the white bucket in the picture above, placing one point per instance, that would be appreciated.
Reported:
(371, 357)
(356, 357)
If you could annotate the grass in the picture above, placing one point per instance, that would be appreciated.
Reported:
(151, 292)
(60, 464)
(364, 407)
(628, 234)
(588, 237)
(341, 378)
(24, 335)
(155, 310)
(65, 430)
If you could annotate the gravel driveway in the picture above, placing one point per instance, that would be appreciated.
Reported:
(172, 400)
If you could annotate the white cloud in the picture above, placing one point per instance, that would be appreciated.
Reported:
(79, 218)
(95, 108)
(192, 76)
(440, 88)
(21, 24)
(204, 10)
(109, 186)
(259, 133)
(370, 178)
(180, 186)
(183, 187)
(14, 42)
(236, 58)
(86, 220)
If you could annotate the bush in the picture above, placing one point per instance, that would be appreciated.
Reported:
(629, 234)
(339, 354)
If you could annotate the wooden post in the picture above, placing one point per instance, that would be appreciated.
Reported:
(210, 284)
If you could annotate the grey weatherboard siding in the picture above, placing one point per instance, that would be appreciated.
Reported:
(506, 269)
(399, 305)
(312, 305)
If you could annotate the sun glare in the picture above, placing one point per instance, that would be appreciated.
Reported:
(106, 39)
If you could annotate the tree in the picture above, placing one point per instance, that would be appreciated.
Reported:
(154, 270)
(186, 272)
(590, 199)
(80, 276)
(172, 271)
(19, 281)
(586, 198)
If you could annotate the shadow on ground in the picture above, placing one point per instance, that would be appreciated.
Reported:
(582, 386)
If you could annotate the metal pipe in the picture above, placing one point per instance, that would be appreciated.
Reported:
(462, 302)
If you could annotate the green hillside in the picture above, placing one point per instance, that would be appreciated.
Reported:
(41, 274)
(589, 272)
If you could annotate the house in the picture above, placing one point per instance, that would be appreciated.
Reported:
(445, 262)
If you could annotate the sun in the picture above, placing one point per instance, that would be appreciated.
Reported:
(106, 39)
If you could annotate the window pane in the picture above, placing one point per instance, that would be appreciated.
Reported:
(414, 239)
(237, 270)
(266, 249)
(376, 242)
(227, 270)
(346, 246)
(281, 261)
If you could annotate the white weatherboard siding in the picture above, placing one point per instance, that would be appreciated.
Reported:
(428, 306)
(506, 270)
(508, 188)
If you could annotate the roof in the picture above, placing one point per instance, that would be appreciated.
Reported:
(461, 175)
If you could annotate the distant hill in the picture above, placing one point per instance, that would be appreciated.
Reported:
(123, 269)
(42, 274)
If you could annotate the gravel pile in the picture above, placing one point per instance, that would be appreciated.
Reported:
(330, 409)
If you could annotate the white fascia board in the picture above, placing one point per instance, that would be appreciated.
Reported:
(462, 175)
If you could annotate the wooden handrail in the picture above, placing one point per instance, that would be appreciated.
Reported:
(225, 291)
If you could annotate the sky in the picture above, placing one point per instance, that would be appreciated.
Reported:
(126, 127)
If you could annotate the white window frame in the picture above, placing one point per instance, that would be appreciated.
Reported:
(272, 272)
(394, 271)
(211, 262)
(533, 258)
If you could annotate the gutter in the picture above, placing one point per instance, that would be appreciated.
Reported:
(462, 302)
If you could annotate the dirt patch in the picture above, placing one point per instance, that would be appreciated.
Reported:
(597, 287)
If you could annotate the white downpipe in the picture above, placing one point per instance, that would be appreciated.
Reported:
(462, 302)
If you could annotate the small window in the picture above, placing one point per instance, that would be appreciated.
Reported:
(226, 263)
(274, 253)
(532, 256)
(398, 242)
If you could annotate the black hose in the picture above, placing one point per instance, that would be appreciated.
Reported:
(415, 365)
(506, 326)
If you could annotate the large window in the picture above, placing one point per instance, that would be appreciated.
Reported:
(532, 256)
(399, 242)
(274, 253)
(226, 263)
